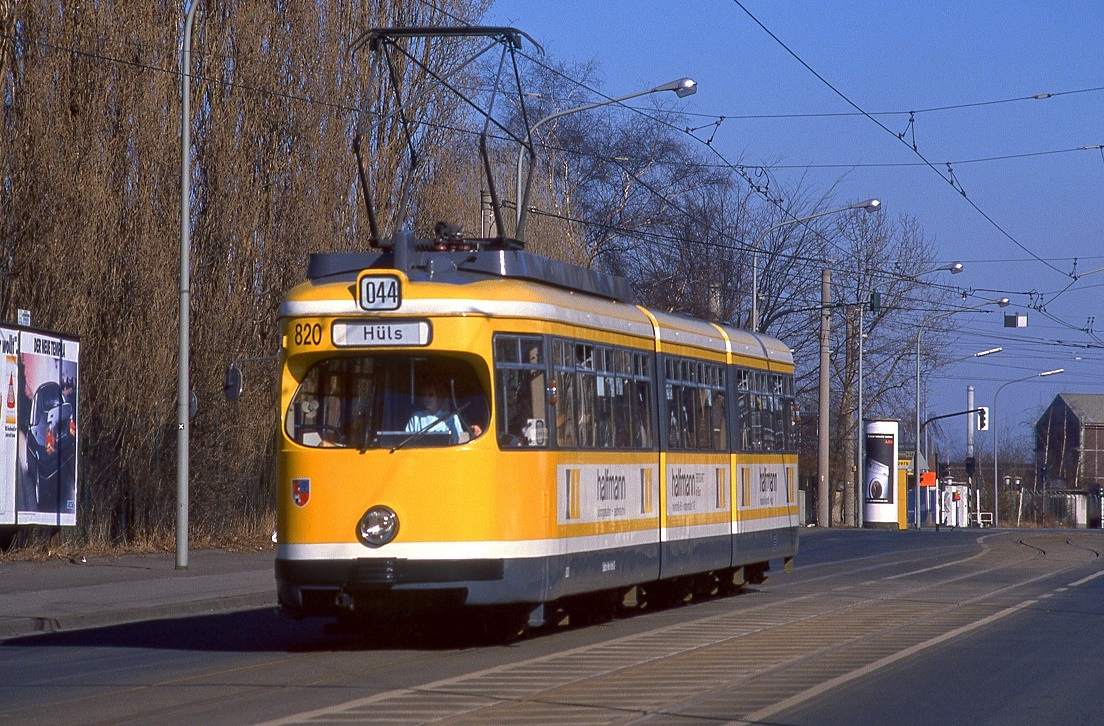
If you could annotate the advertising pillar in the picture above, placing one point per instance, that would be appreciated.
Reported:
(880, 489)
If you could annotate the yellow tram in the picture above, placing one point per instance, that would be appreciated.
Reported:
(472, 424)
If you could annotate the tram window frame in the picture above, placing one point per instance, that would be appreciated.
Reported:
(365, 401)
(696, 397)
(605, 396)
(521, 391)
(765, 406)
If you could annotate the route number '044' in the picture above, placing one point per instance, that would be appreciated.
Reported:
(380, 292)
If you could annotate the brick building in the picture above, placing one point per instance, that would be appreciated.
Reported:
(1069, 442)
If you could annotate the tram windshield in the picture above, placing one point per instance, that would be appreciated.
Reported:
(388, 401)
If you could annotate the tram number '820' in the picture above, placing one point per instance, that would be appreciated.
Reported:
(380, 292)
(308, 334)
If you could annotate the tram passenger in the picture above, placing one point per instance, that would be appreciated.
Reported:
(436, 416)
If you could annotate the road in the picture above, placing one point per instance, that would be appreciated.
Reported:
(874, 627)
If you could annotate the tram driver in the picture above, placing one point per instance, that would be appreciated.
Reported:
(436, 415)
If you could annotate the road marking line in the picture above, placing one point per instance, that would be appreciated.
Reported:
(940, 567)
(443, 685)
(1083, 580)
(815, 691)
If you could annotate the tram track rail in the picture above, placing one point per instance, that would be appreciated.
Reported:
(783, 646)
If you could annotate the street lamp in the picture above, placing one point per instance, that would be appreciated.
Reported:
(870, 205)
(184, 386)
(993, 416)
(682, 87)
(954, 268)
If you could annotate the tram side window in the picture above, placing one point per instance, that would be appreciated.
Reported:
(789, 410)
(587, 400)
(695, 405)
(622, 400)
(743, 407)
(641, 384)
(778, 434)
(719, 420)
(765, 411)
(604, 396)
(673, 389)
(606, 388)
(563, 365)
(763, 423)
(521, 390)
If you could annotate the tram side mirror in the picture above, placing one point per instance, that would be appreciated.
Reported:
(553, 392)
(232, 386)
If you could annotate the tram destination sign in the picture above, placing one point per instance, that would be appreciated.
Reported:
(359, 334)
(379, 292)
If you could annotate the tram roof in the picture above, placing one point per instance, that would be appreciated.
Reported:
(703, 334)
(470, 265)
(482, 264)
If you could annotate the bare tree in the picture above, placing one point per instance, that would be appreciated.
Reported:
(888, 256)
(89, 219)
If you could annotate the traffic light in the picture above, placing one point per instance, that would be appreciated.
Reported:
(983, 418)
(971, 466)
(943, 471)
(875, 301)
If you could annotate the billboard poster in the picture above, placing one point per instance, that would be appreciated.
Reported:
(9, 434)
(46, 401)
(881, 461)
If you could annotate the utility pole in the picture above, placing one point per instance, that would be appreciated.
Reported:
(823, 493)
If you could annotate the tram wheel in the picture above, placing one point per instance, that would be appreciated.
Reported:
(503, 624)
(757, 574)
(731, 582)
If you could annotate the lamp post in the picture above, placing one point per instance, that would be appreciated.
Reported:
(183, 388)
(682, 87)
(993, 415)
(954, 268)
(870, 205)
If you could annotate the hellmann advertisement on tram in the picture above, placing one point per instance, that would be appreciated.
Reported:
(39, 378)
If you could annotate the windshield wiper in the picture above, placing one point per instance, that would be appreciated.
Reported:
(369, 430)
(425, 429)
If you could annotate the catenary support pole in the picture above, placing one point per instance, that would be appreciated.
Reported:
(852, 491)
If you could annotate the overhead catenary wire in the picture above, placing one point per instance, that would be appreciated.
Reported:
(947, 177)
(353, 109)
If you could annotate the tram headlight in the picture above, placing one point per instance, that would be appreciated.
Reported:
(378, 526)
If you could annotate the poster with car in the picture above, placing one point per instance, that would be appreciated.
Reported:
(46, 393)
(9, 433)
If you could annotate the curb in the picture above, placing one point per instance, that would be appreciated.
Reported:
(21, 626)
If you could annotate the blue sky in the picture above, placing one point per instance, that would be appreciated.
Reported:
(897, 56)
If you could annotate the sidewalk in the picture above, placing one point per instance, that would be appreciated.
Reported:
(57, 595)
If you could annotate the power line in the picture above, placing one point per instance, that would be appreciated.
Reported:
(959, 162)
(932, 109)
(948, 177)
(341, 107)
